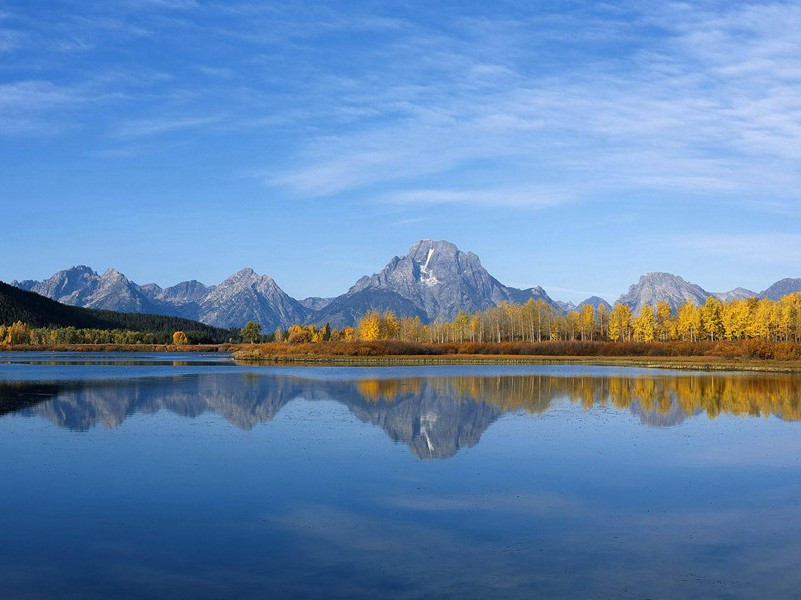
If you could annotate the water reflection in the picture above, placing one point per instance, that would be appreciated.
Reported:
(434, 416)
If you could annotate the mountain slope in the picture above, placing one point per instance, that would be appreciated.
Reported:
(735, 294)
(315, 302)
(595, 302)
(782, 288)
(242, 297)
(82, 286)
(435, 280)
(655, 287)
(39, 311)
(246, 296)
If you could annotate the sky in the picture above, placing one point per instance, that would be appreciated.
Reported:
(573, 145)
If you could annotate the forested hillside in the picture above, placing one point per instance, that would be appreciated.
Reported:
(37, 311)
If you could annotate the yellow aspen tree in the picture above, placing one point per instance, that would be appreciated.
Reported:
(460, 324)
(688, 322)
(620, 323)
(587, 321)
(369, 327)
(663, 320)
(390, 327)
(711, 319)
(602, 321)
(764, 323)
(645, 324)
(784, 317)
(728, 315)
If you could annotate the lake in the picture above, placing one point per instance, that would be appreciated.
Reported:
(143, 475)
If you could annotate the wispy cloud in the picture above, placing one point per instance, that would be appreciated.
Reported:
(711, 105)
(782, 248)
(548, 108)
(517, 198)
(165, 125)
(27, 105)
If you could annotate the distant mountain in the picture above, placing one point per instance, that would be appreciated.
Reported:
(434, 281)
(82, 286)
(315, 302)
(180, 293)
(655, 287)
(39, 311)
(735, 294)
(243, 297)
(595, 302)
(246, 296)
(782, 288)
(565, 306)
(347, 309)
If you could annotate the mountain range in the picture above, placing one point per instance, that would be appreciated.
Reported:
(433, 281)
(39, 311)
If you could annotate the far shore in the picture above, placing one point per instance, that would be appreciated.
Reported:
(118, 348)
(693, 363)
(265, 355)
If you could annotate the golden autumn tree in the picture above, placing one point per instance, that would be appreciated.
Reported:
(587, 321)
(688, 322)
(763, 322)
(390, 326)
(179, 339)
(711, 319)
(251, 332)
(665, 327)
(620, 323)
(369, 327)
(645, 324)
(602, 321)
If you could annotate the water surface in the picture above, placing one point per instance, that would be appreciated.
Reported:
(188, 476)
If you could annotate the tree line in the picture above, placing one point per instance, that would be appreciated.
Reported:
(22, 334)
(537, 321)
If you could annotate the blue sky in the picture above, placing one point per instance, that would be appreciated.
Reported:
(573, 145)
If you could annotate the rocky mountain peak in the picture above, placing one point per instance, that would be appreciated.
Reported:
(659, 286)
(595, 302)
(113, 275)
(435, 281)
(782, 288)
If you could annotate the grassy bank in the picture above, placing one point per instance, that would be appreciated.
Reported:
(671, 355)
(116, 348)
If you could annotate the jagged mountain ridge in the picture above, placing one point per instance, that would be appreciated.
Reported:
(82, 286)
(595, 302)
(433, 281)
(782, 288)
(247, 296)
(735, 294)
(39, 311)
(662, 287)
(657, 286)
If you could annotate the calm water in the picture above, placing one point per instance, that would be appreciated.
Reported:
(189, 477)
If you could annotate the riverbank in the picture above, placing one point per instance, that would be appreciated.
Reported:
(118, 348)
(401, 354)
(698, 356)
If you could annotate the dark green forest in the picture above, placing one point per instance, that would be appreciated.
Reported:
(39, 312)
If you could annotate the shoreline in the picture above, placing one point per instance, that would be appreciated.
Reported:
(668, 363)
(132, 348)
(245, 356)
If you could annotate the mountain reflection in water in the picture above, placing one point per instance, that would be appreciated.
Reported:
(434, 416)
